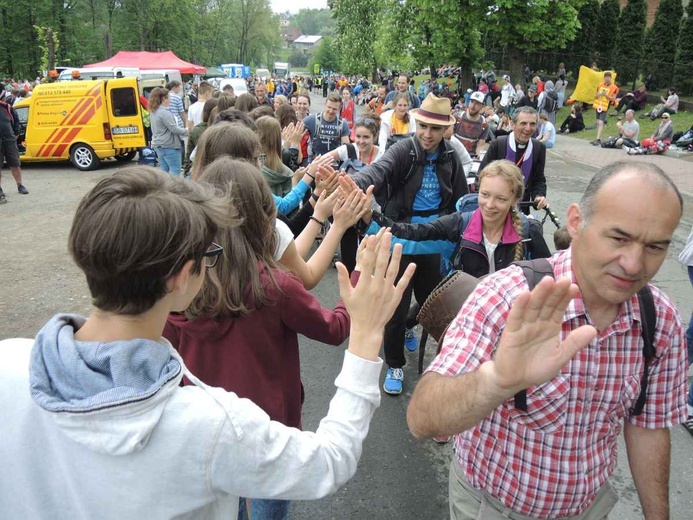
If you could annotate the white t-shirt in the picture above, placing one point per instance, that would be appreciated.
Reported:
(284, 238)
(490, 252)
(195, 112)
(344, 153)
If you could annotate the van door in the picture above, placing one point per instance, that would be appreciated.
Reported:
(125, 114)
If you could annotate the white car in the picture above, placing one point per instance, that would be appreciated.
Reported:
(239, 85)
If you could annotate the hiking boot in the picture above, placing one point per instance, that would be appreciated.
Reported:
(3, 199)
(410, 340)
(596, 142)
(393, 381)
(21, 189)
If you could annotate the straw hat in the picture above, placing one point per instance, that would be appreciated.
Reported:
(434, 111)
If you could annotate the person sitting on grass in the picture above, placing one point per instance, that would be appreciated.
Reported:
(574, 122)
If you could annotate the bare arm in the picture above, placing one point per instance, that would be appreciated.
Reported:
(528, 354)
(649, 456)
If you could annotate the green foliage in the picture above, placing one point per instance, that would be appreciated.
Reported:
(630, 40)
(49, 45)
(315, 21)
(683, 69)
(582, 49)
(203, 31)
(358, 24)
(607, 32)
(326, 56)
(298, 58)
(661, 40)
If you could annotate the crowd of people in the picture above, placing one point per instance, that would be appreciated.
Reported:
(202, 290)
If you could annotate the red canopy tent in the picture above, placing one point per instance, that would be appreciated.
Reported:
(150, 60)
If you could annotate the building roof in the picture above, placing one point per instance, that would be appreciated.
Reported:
(308, 39)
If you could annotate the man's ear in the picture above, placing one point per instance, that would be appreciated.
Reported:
(180, 280)
(574, 220)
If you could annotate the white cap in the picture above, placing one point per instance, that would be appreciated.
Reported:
(477, 96)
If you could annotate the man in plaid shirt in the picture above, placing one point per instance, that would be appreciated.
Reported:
(575, 345)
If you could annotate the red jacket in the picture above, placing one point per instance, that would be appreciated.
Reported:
(257, 356)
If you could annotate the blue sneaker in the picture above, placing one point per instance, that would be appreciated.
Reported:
(410, 340)
(393, 381)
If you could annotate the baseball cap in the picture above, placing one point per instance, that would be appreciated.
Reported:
(477, 96)
(533, 88)
(505, 76)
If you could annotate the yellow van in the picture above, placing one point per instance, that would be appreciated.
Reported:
(83, 121)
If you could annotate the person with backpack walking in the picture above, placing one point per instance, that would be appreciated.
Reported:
(327, 130)
(537, 386)
(548, 102)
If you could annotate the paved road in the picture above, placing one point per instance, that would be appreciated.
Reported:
(400, 477)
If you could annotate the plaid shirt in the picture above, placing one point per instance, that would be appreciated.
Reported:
(553, 460)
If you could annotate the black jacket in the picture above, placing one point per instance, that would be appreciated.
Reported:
(398, 174)
(465, 231)
(536, 185)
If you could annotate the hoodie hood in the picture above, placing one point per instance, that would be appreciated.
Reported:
(108, 397)
(279, 182)
(548, 86)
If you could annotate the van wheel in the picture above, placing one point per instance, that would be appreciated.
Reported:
(126, 157)
(83, 157)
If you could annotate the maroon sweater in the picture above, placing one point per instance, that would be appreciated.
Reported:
(257, 356)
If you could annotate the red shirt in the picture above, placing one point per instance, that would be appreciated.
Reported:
(347, 113)
(552, 460)
(257, 356)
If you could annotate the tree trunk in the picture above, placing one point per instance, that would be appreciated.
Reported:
(465, 78)
(515, 61)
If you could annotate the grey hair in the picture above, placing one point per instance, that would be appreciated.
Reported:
(652, 171)
(523, 110)
(632, 112)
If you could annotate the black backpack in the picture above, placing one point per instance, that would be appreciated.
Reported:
(535, 270)
(551, 102)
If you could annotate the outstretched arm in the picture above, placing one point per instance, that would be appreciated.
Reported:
(528, 353)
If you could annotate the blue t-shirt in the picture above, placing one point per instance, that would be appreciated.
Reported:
(428, 197)
(329, 136)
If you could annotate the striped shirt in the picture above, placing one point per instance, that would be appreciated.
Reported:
(176, 108)
(552, 460)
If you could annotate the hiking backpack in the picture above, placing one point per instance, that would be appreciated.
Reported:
(551, 102)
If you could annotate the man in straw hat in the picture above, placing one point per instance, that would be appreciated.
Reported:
(417, 180)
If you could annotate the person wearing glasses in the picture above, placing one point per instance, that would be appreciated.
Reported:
(166, 134)
(241, 331)
(99, 400)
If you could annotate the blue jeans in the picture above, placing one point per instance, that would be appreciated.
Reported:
(169, 160)
(264, 509)
(689, 340)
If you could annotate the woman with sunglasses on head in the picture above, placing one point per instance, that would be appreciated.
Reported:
(363, 151)
(241, 331)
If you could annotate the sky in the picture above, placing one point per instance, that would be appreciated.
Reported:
(281, 6)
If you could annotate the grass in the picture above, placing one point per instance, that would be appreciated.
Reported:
(681, 121)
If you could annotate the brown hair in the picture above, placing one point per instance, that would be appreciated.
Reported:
(513, 176)
(286, 114)
(246, 102)
(162, 222)
(232, 115)
(205, 88)
(561, 238)
(235, 288)
(261, 111)
(271, 139)
(397, 98)
(230, 139)
(156, 97)
(334, 97)
(226, 101)
(207, 108)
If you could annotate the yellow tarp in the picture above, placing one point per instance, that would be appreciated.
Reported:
(587, 83)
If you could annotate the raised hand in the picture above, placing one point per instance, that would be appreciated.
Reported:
(324, 207)
(327, 179)
(353, 209)
(374, 299)
(529, 352)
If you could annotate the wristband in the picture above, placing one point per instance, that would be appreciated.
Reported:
(311, 176)
(315, 197)
(315, 219)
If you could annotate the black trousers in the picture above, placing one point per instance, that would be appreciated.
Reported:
(348, 247)
(426, 278)
(628, 103)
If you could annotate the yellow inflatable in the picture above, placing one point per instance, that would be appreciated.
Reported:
(587, 83)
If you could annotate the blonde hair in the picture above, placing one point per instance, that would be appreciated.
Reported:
(513, 176)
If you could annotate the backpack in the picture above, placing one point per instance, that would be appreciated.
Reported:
(352, 164)
(395, 138)
(551, 102)
(318, 127)
(535, 270)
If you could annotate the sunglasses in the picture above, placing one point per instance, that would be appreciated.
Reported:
(365, 121)
(212, 255)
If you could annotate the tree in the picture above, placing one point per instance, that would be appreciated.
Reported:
(315, 21)
(661, 40)
(581, 51)
(630, 40)
(326, 56)
(683, 77)
(298, 58)
(521, 26)
(607, 32)
(358, 24)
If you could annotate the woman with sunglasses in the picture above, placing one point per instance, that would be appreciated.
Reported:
(241, 331)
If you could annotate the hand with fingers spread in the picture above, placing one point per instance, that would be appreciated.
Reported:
(327, 179)
(373, 301)
(354, 207)
(325, 205)
(287, 132)
(530, 351)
